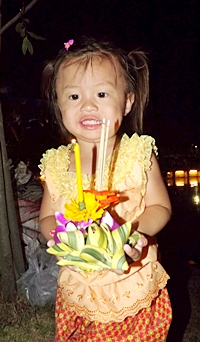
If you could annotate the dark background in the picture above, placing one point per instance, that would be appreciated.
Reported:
(168, 31)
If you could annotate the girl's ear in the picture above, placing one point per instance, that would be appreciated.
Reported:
(129, 102)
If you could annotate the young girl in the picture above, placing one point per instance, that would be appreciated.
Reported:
(85, 84)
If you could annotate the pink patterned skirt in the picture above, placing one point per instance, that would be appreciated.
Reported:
(150, 324)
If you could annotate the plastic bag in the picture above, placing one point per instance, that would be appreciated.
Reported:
(39, 282)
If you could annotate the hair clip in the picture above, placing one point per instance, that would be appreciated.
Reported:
(68, 44)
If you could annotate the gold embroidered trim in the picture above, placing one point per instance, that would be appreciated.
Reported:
(118, 316)
(57, 161)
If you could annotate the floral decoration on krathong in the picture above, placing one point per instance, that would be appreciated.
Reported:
(91, 239)
(87, 237)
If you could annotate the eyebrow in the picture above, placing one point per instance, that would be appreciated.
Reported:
(104, 83)
(98, 85)
(71, 87)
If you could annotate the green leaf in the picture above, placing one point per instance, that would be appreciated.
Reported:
(80, 265)
(19, 27)
(134, 238)
(110, 241)
(24, 45)
(74, 239)
(57, 250)
(33, 35)
(119, 261)
(96, 236)
(22, 32)
(96, 255)
(120, 236)
(30, 46)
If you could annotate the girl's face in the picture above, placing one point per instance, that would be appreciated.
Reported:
(87, 95)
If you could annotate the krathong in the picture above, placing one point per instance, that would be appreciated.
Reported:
(93, 240)
(87, 237)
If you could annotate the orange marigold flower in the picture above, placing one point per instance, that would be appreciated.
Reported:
(104, 197)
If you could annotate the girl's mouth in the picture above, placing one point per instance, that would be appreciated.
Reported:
(91, 122)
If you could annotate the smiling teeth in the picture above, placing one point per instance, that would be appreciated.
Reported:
(91, 122)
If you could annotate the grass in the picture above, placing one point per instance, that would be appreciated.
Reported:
(19, 321)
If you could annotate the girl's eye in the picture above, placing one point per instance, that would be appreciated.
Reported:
(102, 94)
(73, 97)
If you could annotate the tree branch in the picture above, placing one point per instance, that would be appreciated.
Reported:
(14, 19)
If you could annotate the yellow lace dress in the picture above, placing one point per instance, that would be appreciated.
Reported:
(106, 296)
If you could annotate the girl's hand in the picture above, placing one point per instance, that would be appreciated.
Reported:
(135, 252)
(50, 243)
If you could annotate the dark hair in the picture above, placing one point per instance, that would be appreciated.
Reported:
(133, 66)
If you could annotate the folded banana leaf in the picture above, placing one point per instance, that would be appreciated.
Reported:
(100, 249)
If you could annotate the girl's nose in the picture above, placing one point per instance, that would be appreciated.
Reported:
(88, 106)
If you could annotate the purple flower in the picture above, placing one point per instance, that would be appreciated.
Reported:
(65, 225)
(108, 219)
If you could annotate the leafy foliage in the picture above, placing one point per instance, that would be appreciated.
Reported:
(21, 28)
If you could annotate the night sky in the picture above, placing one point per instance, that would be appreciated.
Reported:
(168, 31)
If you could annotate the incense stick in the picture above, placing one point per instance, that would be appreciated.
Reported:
(105, 151)
(102, 152)
(101, 146)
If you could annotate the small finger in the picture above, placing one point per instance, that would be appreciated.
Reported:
(51, 243)
(142, 242)
(133, 253)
